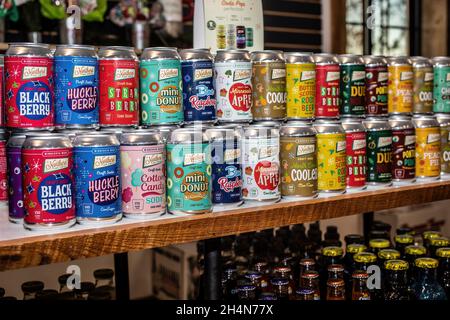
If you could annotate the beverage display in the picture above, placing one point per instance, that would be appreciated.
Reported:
(327, 86)
(376, 86)
(444, 124)
(353, 85)
(400, 85)
(441, 92)
(355, 136)
(423, 85)
(15, 190)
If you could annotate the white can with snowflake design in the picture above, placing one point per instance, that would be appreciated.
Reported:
(233, 75)
(261, 162)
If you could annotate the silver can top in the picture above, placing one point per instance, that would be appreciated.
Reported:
(117, 52)
(95, 139)
(353, 125)
(29, 49)
(160, 53)
(376, 124)
(325, 58)
(425, 121)
(350, 59)
(441, 61)
(188, 136)
(298, 57)
(328, 127)
(443, 118)
(232, 55)
(16, 140)
(372, 61)
(267, 56)
(400, 122)
(76, 50)
(297, 129)
(399, 61)
(46, 140)
(196, 54)
(421, 62)
(141, 137)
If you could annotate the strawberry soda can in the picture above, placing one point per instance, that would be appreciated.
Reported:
(119, 86)
(29, 100)
(327, 85)
(47, 184)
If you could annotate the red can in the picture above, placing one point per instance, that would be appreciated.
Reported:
(2, 80)
(327, 86)
(119, 86)
(403, 149)
(29, 87)
(3, 167)
(355, 136)
(376, 86)
(47, 183)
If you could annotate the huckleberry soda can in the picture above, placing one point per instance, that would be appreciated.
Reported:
(199, 96)
(76, 86)
(353, 85)
(47, 181)
(444, 123)
(376, 100)
(14, 157)
(29, 85)
(97, 178)
(400, 85)
(3, 167)
(441, 88)
(188, 172)
(143, 161)
(327, 85)
(160, 87)
(233, 80)
(423, 85)
(118, 86)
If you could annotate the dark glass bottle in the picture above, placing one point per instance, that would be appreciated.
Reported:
(378, 234)
(354, 239)
(411, 254)
(267, 296)
(105, 278)
(85, 289)
(229, 283)
(30, 288)
(402, 241)
(428, 235)
(387, 254)
(262, 267)
(47, 294)
(310, 280)
(247, 293)
(315, 240)
(351, 250)
(335, 290)
(330, 255)
(359, 286)
(436, 243)
(99, 295)
(395, 284)
(280, 287)
(364, 259)
(335, 271)
(62, 281)
(426, 286)
(405, 230)
(306, 264)
(282, 272)
(331, 237)
(227, 249)
(305, 294)
(254, 277)
(443, 255)
(378, 244)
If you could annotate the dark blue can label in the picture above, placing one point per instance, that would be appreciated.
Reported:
(97, 181)
(226, 172)
(199, 102)
(76, 90)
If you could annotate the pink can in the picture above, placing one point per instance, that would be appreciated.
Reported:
(143, 171)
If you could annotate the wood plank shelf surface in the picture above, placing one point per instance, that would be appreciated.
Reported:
(20, 248)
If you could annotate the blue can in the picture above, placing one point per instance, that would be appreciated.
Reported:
(97, 178)
(226, 169)
(199, 100)
(76, 86)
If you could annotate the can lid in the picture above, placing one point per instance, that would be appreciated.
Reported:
(356, 248)
(332, 251)
(351, 59)
(379, 243)
(404, 239)
(365, 257)
(298, 57)
(396, 265)
(267, 55)
(232, 55)
(415, 250)
(426, 263)
(196, 54)
(297, 129)
(219, 133)
(388, 254)
(188, 135)
(443, 252)
(141, 137)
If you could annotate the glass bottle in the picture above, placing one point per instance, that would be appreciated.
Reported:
(247, 293)
(359, 286)
(306, 264)
(99, 295)
(330, 255)
(402, 241)
(30, 288)
(47, 294)
(378, 244)
(411, 254)
(267, 296)
(443, 255)
(353, 239)
(427, 235)
(405, 230)
(229, 282)
(364, 259)
(310, 280)
(304, 294)
(335, 271)
(254, 277)
(85, 289)
(280, 288)
(104, 279)
(262, 267)
(285, 273)
(62, 281)
(436, 243)
(426, 286)
(335, 290)
(396, 283)
(387, 254)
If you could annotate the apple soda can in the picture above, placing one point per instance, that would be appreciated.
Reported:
(331, 156)
(189, 172)
(441, 91)
(355, 136)
(261, 162)
(423, 85)
(403, 149)
(119, 86)
(226, 169)
(379, 151)
(327, 85)
(199, 97)
(2, 86)
(233, 80)
(160, 87)
(76, 86)
(48, 184)
(14, 158)
(444, 123)
(428, 147)
(400, 86)
(269, 85)
(376, 86)
(353, 85)
(298, 157)
(300, 85)
(29, 84)
(97, 178)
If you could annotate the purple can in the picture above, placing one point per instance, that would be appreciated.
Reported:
(14, 155)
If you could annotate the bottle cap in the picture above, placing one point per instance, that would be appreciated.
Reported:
(396, 265)
(365, 257)
(426, 263)
(356, 248)
(332, 251)
(335, 283)
(443, 252)
(379, 243)
(416, 250)
(388, 254)
(439, 242)
(404, 239)
(359, 274)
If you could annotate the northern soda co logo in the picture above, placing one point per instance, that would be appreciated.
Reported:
(123, 74)
(104, 161)
(83, 71)
(51, 165)
(168, 73)
(34, 72)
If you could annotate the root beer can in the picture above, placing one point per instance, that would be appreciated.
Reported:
(269, 85)
(376, 100)
(444, 123)
(327, 85)
(400, 86)
(423, 85)
(353, 85)
(441, 92)
(298, 157)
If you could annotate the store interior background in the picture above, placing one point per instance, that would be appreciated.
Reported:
(397, 27)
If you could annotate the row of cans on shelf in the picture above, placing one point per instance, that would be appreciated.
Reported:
(96, 176)
(76, 86)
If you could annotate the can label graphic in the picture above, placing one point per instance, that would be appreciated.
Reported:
(143, 179)
(428, 152)
(331, 156)
(2, 105)
(233, 90)
(269, 90)
(353, 89)
(445, 149)
(119, 96)
(226, 172)
(188, 177)
(97, 181)
(161, 92)
(441, 91)
(400, 89)
(300, 88)
(356, 159)
(298, 166)
(327, 91)
(403, 153)
(76, 90)
(3, 172)
(261, 169)
(14, 157)
(379, 156)
(376, 90)
(423, 90)
(199, 98)
(29, 92)
(48, 185)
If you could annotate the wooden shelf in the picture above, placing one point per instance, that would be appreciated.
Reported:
(20, 248)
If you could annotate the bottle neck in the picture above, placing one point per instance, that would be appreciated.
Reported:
(426, 274)
(396, 278)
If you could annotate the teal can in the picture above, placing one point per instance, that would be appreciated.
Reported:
(441, 88)
(188, 172)
(160, 87)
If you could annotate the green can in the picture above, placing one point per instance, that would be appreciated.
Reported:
(188, 172)
(379, 152)
(353, 85)
(422, 85)
(441, 88)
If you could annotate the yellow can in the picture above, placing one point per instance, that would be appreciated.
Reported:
(428, 147)
(400, 86)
